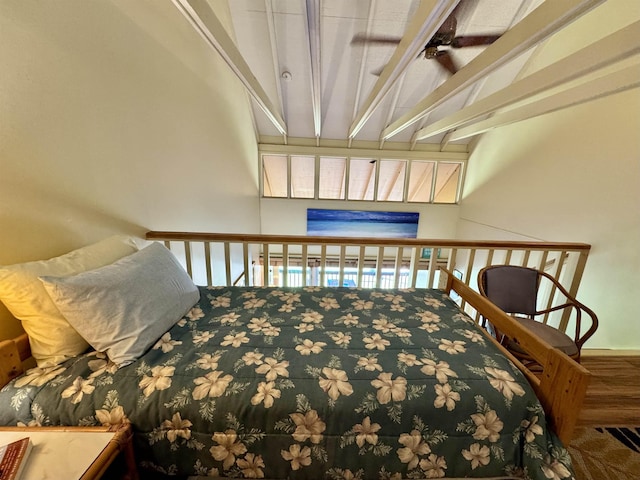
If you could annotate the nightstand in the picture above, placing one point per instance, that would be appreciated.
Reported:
(70, 453)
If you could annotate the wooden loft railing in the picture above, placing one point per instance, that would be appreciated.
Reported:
(290, 260)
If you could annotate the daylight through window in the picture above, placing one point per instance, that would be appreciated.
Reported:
(364, 179)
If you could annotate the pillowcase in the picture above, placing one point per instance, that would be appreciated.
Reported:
(51, 337)
(124, 308)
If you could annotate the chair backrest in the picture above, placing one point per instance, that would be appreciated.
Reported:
(514, 289)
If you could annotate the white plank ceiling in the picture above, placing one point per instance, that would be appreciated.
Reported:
(308, 79)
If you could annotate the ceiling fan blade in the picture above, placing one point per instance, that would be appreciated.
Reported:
(473, 40)
(445, 60)
(446, 32)
(380, 39)
(450, 25)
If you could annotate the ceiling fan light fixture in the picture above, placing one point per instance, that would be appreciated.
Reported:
(430, 52)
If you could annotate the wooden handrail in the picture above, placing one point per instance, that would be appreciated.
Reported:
(374, 242)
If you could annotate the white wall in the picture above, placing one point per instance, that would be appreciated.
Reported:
(572, 175)
(116, 117)
(289, 217)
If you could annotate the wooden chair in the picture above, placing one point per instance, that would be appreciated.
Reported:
(515, 290)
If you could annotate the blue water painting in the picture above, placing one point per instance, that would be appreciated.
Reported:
(360, 223)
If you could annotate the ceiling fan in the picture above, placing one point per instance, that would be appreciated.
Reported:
(444, 37)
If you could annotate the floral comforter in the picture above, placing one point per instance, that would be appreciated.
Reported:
(309, 383)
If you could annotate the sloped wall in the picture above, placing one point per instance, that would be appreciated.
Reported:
(116, 118)
(572, 175)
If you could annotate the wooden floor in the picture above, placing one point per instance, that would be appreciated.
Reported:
(613, 397)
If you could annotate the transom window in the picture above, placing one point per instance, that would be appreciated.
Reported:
(354, 178)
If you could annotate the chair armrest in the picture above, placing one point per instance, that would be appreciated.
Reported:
(580, 308)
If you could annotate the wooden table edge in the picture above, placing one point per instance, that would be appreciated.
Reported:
(120, 443)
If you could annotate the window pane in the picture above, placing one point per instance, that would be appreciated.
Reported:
(447, 182)
(391, 180)
(362, 177)
(274, 175)
(332, 175)
(420, 181)
(303, 173)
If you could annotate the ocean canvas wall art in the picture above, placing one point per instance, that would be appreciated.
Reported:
(360, 223)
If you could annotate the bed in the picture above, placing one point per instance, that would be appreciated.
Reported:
(318, 382)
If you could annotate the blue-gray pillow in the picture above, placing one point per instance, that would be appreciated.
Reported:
(125, 307)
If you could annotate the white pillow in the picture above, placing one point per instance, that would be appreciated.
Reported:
(51, 337)
(124, 308)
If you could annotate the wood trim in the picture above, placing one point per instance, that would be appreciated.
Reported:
(187, 256)
(10, 361)
(120, 443)
(12, 353)
(604, 352)
(369, 242)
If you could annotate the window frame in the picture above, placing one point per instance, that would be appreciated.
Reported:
(376, 156)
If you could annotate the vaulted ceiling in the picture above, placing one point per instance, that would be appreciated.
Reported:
(309, 74)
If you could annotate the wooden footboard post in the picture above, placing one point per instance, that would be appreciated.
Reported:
(564, 385)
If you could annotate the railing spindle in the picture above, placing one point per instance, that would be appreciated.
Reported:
(227, 263)
(265, 264)
(285, 264)
(413, 269)
(361, 265)
(248, 278)
(207, 260)
(343, 253)
(187, 258)
(323, 264)
(398, 267)
(305, 265)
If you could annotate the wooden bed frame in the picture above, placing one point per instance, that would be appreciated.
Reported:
(561, 385)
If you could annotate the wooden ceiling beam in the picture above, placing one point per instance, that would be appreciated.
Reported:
(615, 82)
(426, 21)
(365, 49)
(545, 20)
(268, 9)
(619, 45)
(313, 11)
(207, 24)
